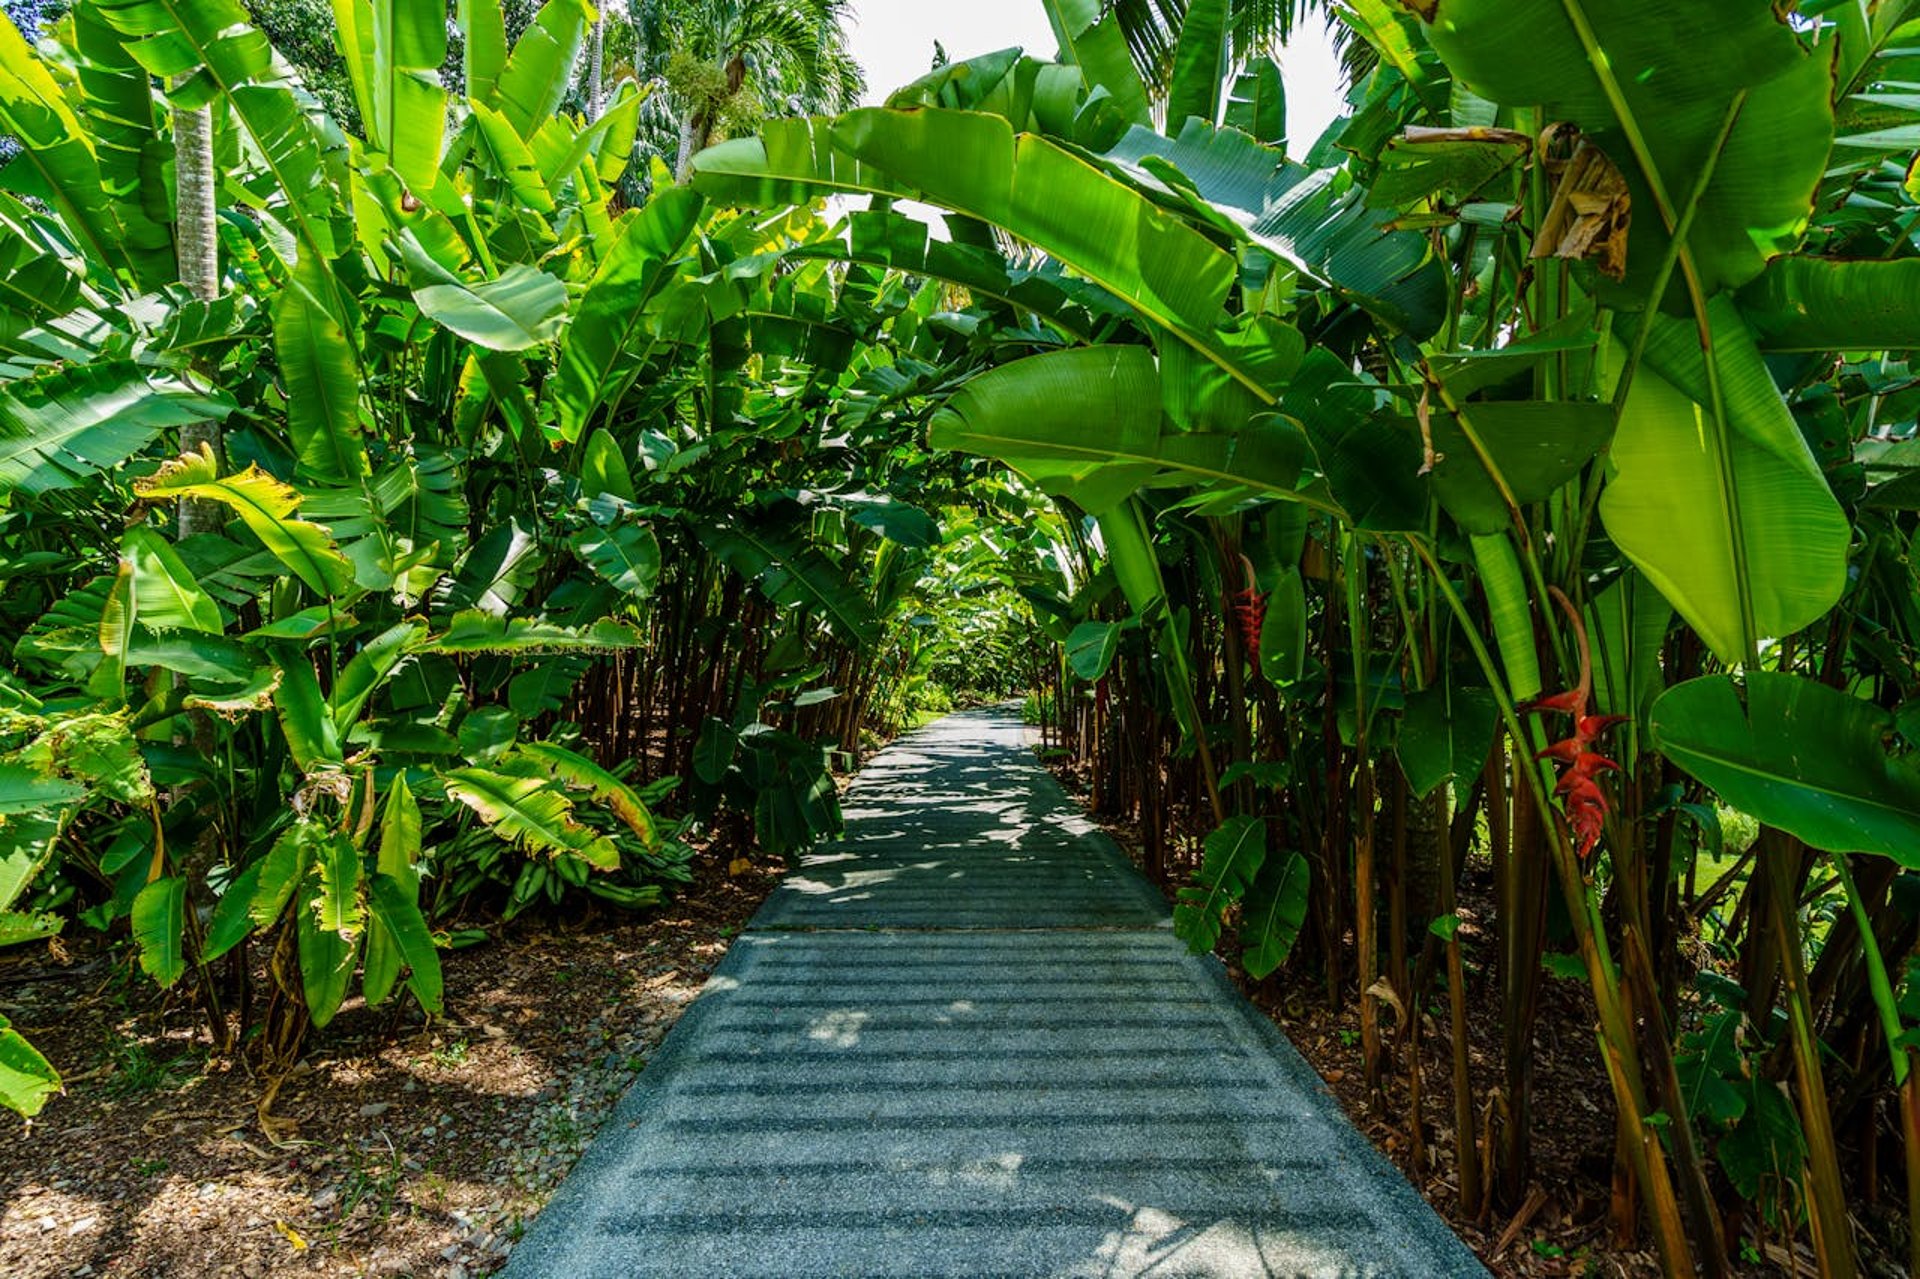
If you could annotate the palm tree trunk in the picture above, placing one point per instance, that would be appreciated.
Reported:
(596, 70)
(683, 162)
(198, 248)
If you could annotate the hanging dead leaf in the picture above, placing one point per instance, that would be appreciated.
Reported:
(1383, 991)
(1591, 208)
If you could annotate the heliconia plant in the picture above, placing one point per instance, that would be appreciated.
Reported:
(385, 567)
(1577, 367)
(1500, 492)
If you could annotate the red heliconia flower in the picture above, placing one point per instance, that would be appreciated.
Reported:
(1249, 608)
(1582, 800)
(1250, 611)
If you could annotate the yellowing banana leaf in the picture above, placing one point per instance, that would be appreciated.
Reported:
(266, 507)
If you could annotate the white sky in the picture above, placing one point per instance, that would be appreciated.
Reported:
(893, 41)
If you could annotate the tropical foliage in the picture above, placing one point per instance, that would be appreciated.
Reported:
(527, 508)
(1514, 476)
(1512, 483)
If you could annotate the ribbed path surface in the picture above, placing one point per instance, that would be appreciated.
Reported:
(963, 1041)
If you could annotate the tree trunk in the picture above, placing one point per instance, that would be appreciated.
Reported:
(689, 128)
(596, 65)
(198, 249)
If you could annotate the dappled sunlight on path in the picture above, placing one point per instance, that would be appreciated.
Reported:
(963, 1041)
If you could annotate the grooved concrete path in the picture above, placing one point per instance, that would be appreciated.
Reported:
(963, 1041)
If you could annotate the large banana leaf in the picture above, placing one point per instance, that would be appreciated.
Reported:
(601, 353)
(1257, 105)
(1667, 505)
(530, 812)
(338, 901)
(534, 77)
(577, 770)
(56, 150)
(132, 152)
(159, 928)
(1275, 911)
(164, 590)
(1087, 423)
(266, 507)
(397, 935)
(209, 48)
(974, 164)
(323, 377)
(1812, 760)
(520, 308)
(1311, 218)
(326, 958)
(393, 50)
(1199, 63)
(626, 556)
(1644, 74)
(62, 428)
(502, 149)
(1754, 534)
(484, 51)
(1823, 304)
(794, 573)
(1094, 42)
(1231, 858)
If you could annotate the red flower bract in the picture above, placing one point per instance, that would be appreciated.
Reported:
(1582, 800)
(1250, 611)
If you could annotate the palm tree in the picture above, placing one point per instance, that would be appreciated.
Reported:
(733, 61)
(197, 248)
(1152, 29)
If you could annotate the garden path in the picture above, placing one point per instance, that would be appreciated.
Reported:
(963, 1041)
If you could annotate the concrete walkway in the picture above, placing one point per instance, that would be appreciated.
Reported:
(963, 1041)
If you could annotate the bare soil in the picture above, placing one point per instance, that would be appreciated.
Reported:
(416, 1148)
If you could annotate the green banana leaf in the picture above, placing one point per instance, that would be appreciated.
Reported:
(159, 929)
(1824, 304)
(397, 936)
(209, 48)
(533, 80)
(604, 348)
(530, 812)
(164, 590)
(322, 373)
(1090, 648)
(27, 1079)
(1275, 912)
(1666, 504)
(62, 428)
(1231, 857)
(266, 507)
(1651, 81)
(1199, 64)
(1812, 760)
(393, 50)
(57, 151)
(1087, 423)
(119, 109)
(1310, 218)
(974, 164)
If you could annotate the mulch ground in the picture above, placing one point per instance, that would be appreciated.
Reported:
(416, 1148)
